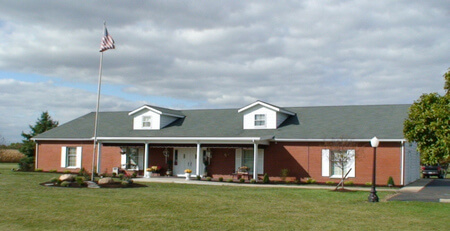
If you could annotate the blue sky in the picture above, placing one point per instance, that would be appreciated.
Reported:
(216, 54)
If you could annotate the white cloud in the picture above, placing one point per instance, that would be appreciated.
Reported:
(229, 53)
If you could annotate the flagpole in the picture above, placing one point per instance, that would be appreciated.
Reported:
(96, 115)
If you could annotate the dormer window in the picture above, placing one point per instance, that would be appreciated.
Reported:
(146, 121)
(260, 120)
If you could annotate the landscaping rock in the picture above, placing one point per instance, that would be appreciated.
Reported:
(106, 180)
(67, 177)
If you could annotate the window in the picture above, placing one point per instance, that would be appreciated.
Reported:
(247, 159)
(146, 121)
(71, 157)
(132, 158)
(336, 163)
(260, 120)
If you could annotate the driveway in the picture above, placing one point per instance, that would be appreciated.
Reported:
(437, 190)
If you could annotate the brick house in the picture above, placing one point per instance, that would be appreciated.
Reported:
(217, 142)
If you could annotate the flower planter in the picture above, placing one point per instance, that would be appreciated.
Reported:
(188, 176)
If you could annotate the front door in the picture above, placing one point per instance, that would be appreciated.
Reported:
(185, 158)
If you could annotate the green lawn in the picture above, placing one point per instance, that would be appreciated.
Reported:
(25, 205)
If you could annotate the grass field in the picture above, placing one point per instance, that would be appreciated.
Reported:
(25, 205)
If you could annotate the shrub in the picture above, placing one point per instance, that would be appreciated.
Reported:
(38, 170)
(390, 182)
(348, 183)
(54, 180)
(253, 181)
(26, 164)
(296, 182)
(266, 179)
(310, 181)
(134, 175)
(208, 178)
(199, 177)
(329, 183)
(284, 173)
(66, 171)
(65, 184)
(114, 174)
(121, 176)
(220, 179)
(10, 156)
(242, 180)
(368, 183)
(230, 180)
(125, 183)
(52, 170)
(80, 180)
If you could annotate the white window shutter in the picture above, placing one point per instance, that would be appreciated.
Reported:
(325, 162)
(260, 161)
(238, 159)
(63, 156)
(351, 163)
(78, 160)
(123, 161)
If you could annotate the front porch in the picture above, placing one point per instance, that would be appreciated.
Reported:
(172, 159)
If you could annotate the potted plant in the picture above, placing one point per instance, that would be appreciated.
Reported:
(188, 174)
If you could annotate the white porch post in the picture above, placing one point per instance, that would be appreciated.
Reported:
(197, 171)
(255, 161)
(99, 155)
(146, 174)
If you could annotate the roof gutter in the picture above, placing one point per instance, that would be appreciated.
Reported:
(330, 140)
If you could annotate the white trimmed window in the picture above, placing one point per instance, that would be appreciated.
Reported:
(336, 162)
(245, 157)
(131, 159)
(146, 121)
(260, 120)
(71, 157)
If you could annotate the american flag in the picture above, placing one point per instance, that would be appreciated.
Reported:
(107, 42)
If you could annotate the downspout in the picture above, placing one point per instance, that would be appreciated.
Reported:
(99, 154)
(37, 155)
(146, 174)
(402, 180)
(255, 160)
(197, 171)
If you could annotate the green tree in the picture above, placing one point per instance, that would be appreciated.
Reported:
(428, 125)
(44, 123)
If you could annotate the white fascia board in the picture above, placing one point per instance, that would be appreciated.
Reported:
(277, 109)
(145, 107)
(259, 103)
(173, 115)
(62, 139)
(328, 140)
(225, 140)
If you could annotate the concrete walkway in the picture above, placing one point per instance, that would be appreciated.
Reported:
(178, 180)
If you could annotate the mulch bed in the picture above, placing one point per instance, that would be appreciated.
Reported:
(111, 185)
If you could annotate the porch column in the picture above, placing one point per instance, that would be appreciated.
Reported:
(255, 161)
(99, 155)
(146, 174)
(197, 171)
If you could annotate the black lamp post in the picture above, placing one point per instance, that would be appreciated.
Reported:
(374, 142)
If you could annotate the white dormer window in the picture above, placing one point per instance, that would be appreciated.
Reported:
(260, 120)
(146, 121)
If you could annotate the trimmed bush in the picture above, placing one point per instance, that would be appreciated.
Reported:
(199, 177)
(284, 173)
(242, 180)
(310, 181)
(220, 179)
(266, 179)
(230, 180)
(121, 176)
(125, 183)
(253, 181)
(80, 180)
(368, 184)
(348, 183)
(54, 180)
(329, 183)
(390, 182)
(52, 170)
(134, 175)
(114, 174)
(296, 182)
(38, 170)
(66, 171)
(208, 178)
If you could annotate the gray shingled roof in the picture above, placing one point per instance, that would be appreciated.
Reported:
(328, 122)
